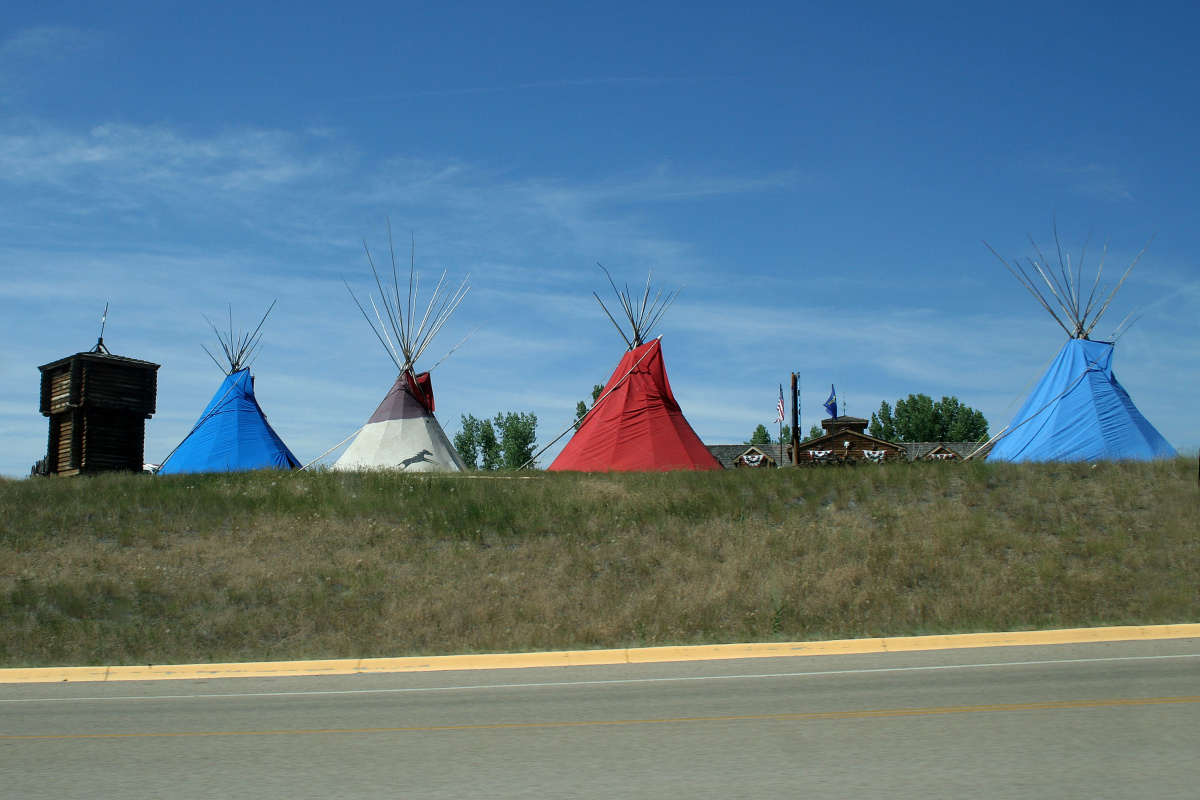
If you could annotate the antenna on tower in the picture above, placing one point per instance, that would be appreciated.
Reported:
(100, 348)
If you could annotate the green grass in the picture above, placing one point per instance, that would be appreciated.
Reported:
(137, 569)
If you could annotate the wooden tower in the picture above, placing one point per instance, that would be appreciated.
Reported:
(98, 405)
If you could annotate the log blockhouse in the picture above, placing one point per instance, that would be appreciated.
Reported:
(98, 404)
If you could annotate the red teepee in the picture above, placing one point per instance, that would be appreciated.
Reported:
(636, 425)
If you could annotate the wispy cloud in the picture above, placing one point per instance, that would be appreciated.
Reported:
(1090, 178)
(49, 43)
(156, 164)
(28, 53)
(145, 188)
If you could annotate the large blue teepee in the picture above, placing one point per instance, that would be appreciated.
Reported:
(232, 435)
(1078, 412)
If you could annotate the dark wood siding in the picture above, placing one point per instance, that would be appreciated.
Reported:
(848, 445)
(119, 387)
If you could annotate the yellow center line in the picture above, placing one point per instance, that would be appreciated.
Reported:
(819, 715)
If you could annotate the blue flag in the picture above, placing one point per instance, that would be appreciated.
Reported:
(831, 403)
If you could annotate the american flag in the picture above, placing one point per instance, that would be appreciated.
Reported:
(779, 406)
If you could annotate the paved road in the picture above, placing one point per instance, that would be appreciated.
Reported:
(1118, 720)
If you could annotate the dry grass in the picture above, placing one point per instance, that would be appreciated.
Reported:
(134, 569)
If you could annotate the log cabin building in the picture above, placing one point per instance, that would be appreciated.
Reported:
(846, 440)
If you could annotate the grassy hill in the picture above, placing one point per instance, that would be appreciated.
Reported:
(132, 569)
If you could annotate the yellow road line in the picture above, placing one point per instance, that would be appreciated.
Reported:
(816, 715)
(580, 658)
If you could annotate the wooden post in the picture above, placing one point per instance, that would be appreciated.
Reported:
(795, 421)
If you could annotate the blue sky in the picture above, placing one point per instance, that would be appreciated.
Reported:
(818, 176)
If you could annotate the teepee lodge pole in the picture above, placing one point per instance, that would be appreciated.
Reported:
(1061, 288)
(641, 313)
(240, 350)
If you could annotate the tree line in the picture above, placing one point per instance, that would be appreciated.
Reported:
(919, 419)
(916, 418)
(506, 442)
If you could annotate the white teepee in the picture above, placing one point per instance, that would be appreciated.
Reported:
(403, 434)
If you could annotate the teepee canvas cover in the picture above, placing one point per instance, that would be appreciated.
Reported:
(403, 433)
(232, 434)
(1079, 412)
(636, 425)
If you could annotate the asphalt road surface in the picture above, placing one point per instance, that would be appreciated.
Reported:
(1119, 720)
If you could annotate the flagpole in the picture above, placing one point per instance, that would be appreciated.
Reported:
(781, 423)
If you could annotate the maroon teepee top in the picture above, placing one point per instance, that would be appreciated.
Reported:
(411, 397)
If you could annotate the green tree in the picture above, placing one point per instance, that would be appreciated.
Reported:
(815, 431)
(760, 436)
(504, 442)
(466, 441)
(918, 418)
(963, 423)
(882, 425)
(518, 437)
(581, 408)
(490, 455)
(476, 443)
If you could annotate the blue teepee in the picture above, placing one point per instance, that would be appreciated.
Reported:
(232, 434)
(1078, 412)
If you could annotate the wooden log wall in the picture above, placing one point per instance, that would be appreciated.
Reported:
(836, 443)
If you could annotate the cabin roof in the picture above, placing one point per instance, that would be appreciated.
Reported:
(728, 453)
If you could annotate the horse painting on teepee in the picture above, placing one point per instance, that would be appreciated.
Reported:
(233, 433)
(403, 434)
(636, 424)
(1078, 411)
